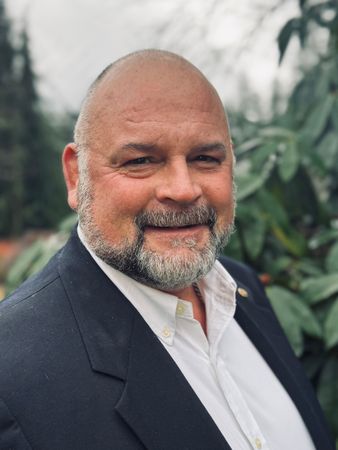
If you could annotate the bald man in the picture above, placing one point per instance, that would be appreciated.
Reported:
(135, 336)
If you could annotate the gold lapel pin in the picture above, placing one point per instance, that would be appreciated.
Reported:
(243, 292)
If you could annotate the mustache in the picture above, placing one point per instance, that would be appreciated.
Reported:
(197, 215)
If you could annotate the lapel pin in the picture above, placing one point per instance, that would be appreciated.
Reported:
(243, 292)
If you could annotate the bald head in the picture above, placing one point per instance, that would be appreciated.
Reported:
(137, 80)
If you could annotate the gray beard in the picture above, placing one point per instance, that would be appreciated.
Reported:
(164, 271)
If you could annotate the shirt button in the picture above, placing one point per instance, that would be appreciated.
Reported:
(258, 443)
(166, 332)
(243, 292)
(180, 309)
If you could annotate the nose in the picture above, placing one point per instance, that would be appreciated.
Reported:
(178, 185)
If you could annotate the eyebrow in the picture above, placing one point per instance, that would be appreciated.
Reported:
(210, 147)
(139, 147)
(152, 147)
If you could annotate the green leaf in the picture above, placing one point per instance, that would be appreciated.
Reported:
(288, 162)
(277, 133)
(287, 319)
(248, 184)
(331, 326)
(328, 149)
(309, 267)
(328, 391)
(319, 117)
(293, 241)
(43, 259)
(334, 114)
(285, 35)
(278, 221)
(254, 235)
(272, 207)
(247, 146)
(261, 154)
(320, 288)
(279, 264)
(234, 248)
(331, 262)
(20, 269)
(322, 238)
(294, 315)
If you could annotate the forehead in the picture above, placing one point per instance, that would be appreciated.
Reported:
(155, 96)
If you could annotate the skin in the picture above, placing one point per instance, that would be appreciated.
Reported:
(160, 141)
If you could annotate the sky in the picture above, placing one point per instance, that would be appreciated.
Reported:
(233, 42)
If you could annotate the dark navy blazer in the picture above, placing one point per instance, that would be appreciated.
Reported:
(81, 370)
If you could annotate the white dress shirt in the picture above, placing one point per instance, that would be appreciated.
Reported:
(234, 383)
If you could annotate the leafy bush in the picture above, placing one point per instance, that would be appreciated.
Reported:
(38, 254)
(287, 218)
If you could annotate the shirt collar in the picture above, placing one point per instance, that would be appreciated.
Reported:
(160, 310)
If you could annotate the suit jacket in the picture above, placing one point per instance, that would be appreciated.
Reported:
(80, 369)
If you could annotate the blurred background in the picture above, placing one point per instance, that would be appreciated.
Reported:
(275, 65)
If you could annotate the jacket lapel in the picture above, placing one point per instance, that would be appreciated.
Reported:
(261, 326)
(157, 402)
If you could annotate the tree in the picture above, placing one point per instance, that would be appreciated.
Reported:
(10, 151)
(44, 195)
(32, 188)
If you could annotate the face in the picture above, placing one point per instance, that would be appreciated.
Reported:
(155, 199)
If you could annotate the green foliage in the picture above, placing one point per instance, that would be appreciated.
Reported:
(330, 326)
(38, 254)
(31, 185)
(295, 316)
(287, 219)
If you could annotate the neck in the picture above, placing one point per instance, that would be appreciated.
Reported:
(194, 296)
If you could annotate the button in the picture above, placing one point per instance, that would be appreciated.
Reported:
(243, 292)
(166, 332)
(180, 310)
(258, 443)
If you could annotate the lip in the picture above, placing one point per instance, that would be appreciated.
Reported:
(187, 230)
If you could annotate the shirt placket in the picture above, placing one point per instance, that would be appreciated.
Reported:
(232, 394)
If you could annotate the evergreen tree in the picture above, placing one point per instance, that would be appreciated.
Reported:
(44, 190)
(10, 151)
(31, 185)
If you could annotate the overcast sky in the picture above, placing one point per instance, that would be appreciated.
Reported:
(72, 41)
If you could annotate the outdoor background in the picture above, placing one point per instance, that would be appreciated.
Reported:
(275, 65)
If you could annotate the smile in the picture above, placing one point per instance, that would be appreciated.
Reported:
(186, 229)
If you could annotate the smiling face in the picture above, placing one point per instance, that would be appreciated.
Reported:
(156, 192)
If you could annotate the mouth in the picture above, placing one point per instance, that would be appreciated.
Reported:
(175, 227)
(186, 229)
(187, 221)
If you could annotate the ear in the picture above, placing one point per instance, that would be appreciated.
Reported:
(71, 173)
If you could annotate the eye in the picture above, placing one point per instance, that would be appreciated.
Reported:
(207, 159)
(138, 161)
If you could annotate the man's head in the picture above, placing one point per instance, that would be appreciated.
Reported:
(150, 172)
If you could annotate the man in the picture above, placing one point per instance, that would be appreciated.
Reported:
(131, 337)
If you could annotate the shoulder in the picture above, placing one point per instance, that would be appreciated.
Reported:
(29, 317)
(246, 277)
(236, 268)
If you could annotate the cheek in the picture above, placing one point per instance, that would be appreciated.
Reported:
(220, 193)
(120, 201)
